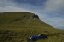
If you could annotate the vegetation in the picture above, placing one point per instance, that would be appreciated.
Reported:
(17, 26)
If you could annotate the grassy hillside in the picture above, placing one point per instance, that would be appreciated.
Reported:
(17, 26)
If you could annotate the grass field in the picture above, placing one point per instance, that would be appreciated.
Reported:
(17, 26)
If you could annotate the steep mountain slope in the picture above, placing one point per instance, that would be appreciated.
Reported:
(21, 18)
(17, 26)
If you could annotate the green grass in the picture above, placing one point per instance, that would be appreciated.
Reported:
(15, 28)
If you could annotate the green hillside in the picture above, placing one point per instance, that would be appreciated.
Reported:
(17, 26)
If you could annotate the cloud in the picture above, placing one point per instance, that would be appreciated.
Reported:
(12, 9)
(60, 27)
(54, 6)
(55, 22)
(9, 6)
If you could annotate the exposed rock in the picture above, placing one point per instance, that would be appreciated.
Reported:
(31, 17)
(35, 16)
(26, 16)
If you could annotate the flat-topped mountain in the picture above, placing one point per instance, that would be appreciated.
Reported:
(17, 26)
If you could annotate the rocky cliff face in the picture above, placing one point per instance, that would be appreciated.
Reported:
(31, 17)
(35, 16)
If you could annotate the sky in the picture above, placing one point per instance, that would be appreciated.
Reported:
(49, 11)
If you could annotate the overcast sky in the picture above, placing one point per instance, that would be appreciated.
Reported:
(49, 11)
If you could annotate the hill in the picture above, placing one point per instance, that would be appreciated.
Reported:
(17, 26)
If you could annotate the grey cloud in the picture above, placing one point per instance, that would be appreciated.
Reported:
(54, 5)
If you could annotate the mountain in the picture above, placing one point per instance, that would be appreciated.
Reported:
(17, 26)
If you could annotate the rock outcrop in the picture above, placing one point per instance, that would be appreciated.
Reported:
(31, 17)
(35, 16)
